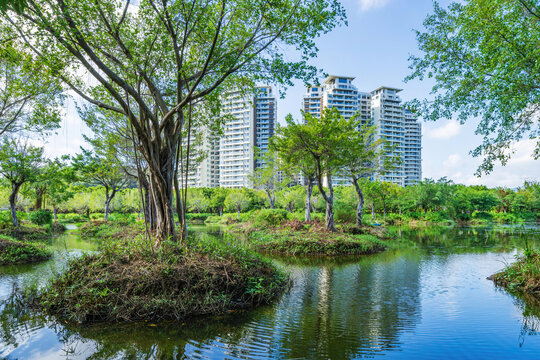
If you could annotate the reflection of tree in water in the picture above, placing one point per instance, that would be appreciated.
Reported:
(346, 310)
(456, 240)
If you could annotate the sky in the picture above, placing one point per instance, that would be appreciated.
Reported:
(374, 48)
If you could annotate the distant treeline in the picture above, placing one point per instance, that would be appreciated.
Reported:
(429, 200)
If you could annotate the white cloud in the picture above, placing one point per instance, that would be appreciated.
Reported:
(460, 168)
(452, 161)
(366, 5)
(450, 129)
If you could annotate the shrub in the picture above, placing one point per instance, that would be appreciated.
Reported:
(18, 252)
(5, 219)
(504, 217)
(483, 215)
(267, 217)
(437, 216)
(41, 217)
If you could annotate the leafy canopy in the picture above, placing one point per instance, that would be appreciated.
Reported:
(484, 56)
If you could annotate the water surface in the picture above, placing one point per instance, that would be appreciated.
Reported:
(428, 298)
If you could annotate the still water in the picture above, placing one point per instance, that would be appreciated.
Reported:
(429, 298)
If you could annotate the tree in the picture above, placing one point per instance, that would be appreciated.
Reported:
(291, 198)
(58, 176)
(217, 199)
(365, 156)
(30, 99)
(152, 61)
(19, 163)
(322, 140)
(431, 194)
(385, 191)
(266, 178)
(483, 55)
(102, 170)
(237, 200)
(294, 159)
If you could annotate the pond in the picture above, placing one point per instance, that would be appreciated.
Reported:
(427, 298)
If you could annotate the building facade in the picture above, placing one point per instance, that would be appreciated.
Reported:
(232, 158)
(381, 107)
(412, 149)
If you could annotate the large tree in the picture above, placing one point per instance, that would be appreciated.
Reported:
(484, 56)
(19, 163)
(149, 62)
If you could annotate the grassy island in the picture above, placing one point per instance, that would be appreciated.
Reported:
(523, 275)
(131, 280)
(266, 232)
(18, 252)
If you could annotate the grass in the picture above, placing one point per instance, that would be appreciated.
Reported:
(108, 229)
(129, 280)
(300, 238)
(523, 275)
(18, 252)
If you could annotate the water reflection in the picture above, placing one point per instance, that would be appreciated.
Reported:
(428, 297)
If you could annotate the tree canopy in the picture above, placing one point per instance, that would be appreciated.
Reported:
(484, 56)
(151, 61)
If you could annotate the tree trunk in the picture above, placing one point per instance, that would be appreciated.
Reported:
(39, 199)
(271, 198)
(180, 209)
(161, 180)
(220, 211)
(55, 212)
(309, 191)
(329, 198)
(372, 212)
(360, 205)
(13, 202)
(238, 212)
(108, 200)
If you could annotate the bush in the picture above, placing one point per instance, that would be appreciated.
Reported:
(213, 219)
(41, 217)
(504, 217)
(301, 243)
(437, 216)
(5, 219)
(198, 217)
(124, 219)
(393, 218)
(267, 217)
(18, 252)
(482, 215)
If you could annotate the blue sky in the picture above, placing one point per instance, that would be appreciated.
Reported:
(374, 48)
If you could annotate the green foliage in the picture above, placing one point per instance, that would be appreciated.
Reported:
(41, 217)
(31, 97)
(484, 58)
(522, 275)
(267, 217)
(18, 252)
(300, 243)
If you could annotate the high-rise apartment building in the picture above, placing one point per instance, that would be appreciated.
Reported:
(382, 107)
(412, 149)
(389, 118)
(206, 172)
(232, 158)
